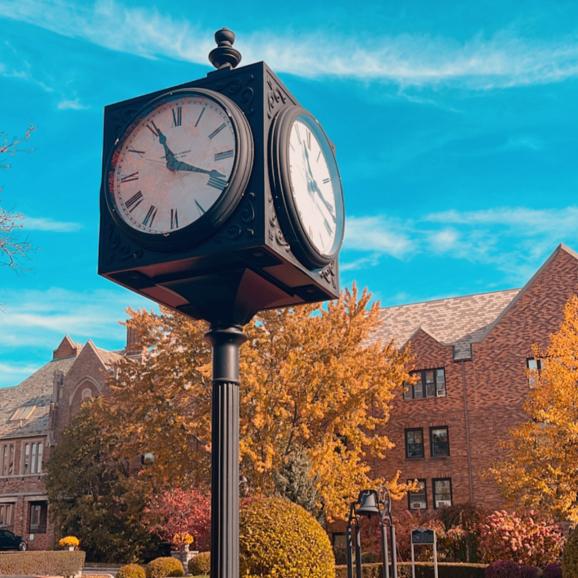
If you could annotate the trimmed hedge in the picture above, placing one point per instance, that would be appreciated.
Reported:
(200, 565)
(163, 567)
(63, 563)
(131, 571)
(422, 570)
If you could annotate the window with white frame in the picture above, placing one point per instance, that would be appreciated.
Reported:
(417, 500)
(7, 456)
(534, 366)
(6, 515)
(37, 517)
(32, 455)
(442, 492)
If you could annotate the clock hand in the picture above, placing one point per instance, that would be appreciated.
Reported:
(313, 187)
(182, 166)
(169, 155)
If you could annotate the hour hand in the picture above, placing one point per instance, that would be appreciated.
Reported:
(182, 166)
(169, 155)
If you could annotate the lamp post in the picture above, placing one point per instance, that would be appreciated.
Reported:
(372, 503)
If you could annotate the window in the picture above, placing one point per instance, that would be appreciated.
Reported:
(32, 458)
(442, 492)
(7, 452)
(37, 514)
(534, 366)
(414, 443)
(429, 383)
(23, 413)
(86, 394)
(439, 441)
(417, 500)
(6, 515)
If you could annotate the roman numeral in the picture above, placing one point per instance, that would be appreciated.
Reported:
(309, 139)
(154, 128)
(132, 203)
(217, 183)
(200, 207)
(150, 217)
(129, 178)
(224, 155)
(177, 116)
(200, 116)
(328, 226)
(217, 130)
(137, 152)
(174, 219)
(327, 180)
(298, 134)
(318, 155)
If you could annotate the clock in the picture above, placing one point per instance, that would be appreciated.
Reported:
(180, 168)
(306, 186)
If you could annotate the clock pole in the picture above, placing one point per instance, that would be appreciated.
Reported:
(226, 342)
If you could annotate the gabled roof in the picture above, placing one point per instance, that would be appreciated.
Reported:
(34, 392)
(449, 321)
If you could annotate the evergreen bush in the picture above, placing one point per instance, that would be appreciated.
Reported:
(279, 538)
(131, 571)
(164, 567)
(200, 565)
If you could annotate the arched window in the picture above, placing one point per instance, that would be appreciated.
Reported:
(86, 394)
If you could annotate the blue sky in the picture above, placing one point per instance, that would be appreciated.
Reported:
(456, 126)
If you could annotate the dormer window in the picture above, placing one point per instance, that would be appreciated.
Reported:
(23, 413)
(535, 366)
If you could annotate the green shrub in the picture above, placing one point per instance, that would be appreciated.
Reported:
(63, 563)
(280, 538)
(131, 571)
(422, 570)
(163, 567)
(570, 556)
(200, 565)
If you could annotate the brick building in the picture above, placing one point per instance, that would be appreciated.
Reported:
(32, 414)
(472, 356)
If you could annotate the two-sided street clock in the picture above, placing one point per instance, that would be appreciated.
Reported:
(222, 196)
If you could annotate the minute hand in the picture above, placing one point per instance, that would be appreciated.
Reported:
(314, 187)
(182, 166)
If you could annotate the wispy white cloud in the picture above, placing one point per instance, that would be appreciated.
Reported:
(71, 104)
(513, 240)
(35, 318)
(503, 60)
(49, 225)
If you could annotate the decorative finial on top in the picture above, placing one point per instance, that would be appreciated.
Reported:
(224, 56)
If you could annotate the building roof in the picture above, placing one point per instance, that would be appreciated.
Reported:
(455, 320)
(24, 408)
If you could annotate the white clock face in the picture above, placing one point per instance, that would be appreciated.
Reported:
(315, 184)
(173, 164)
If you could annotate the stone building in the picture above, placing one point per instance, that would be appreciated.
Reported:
(472, 360)
(32, 414)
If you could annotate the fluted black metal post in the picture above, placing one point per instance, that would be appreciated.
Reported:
(226, 342)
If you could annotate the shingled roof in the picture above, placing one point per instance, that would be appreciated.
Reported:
(456, 320)
(31, 399)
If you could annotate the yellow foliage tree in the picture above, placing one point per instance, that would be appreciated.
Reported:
(312, 382)
(542, 469)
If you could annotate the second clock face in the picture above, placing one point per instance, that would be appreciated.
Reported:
(173, 164)
(316, 186)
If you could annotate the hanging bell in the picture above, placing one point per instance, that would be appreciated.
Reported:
(368, 503)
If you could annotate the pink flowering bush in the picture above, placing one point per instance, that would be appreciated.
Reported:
(177, 512)
(522, 538)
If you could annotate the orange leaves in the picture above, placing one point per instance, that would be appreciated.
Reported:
(542, 471)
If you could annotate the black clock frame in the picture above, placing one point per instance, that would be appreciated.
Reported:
(283, 194)
(229, 198)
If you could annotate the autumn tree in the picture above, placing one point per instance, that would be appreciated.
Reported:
(541, 471)
(10, 248)
(313, 382)
(95, 496)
